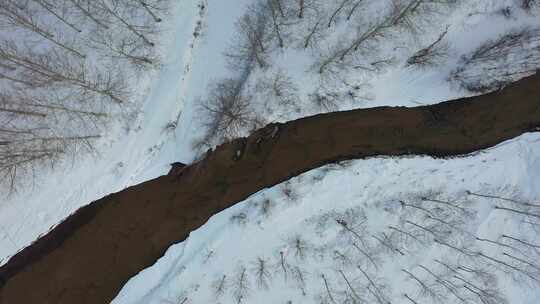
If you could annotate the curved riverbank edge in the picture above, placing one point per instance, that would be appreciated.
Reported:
(91, 255)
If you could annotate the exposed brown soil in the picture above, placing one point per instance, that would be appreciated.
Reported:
(91, 255)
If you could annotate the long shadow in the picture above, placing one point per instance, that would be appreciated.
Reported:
(92, 254)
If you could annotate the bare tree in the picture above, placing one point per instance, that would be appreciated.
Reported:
(124, 47)
(431, 292)
(485, 295)
(208, 254)
(517, 270)
(313, 31)
(24, 17)
(150, 10)
(406, 296)
(454, 206)
(351, 289)
(339, 52)
(27, 140)
(289, 192)
(227, 111)
(430, 218)
(406, 14)
(446, 283)
(532, 265)
(506, 199)
(526, 213)
(327, 101)
(261, 272)
(328, 290)
(299, 246)
(299, 277)
(343, 259)
(241, 285)
(354, 8)
(497, 62)
(115, 11)
(474, 283)
(337, 10)
(219, 286)
(282, 265)
(368, 254)
(56, 68)
(280, 88)
(432, 54)
(89, 11)
(374, 288)
(407, 236)
(387, 242)
(352, 222)
(525, 245)
(266, 207)
(252, 43)
(239, 218)
(52, 10)
(277, 14)
(301, 8)
(65, 72)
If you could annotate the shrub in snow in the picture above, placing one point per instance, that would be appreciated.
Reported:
(241, 285)
(528, 5)
(431, 55)
(239, 218)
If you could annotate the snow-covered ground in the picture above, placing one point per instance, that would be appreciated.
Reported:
(191, 64)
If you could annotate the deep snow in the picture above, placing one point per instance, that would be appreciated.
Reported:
(191, 63)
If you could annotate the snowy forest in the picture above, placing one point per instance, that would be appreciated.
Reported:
(68, 68)
(414, 248)
(343, 44)
(409, 248)
(99, 95)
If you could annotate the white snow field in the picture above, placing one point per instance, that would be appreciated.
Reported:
(310, 257)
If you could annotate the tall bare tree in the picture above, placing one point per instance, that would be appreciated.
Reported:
(65, 72)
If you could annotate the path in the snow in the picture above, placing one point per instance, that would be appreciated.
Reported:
(91, 255)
